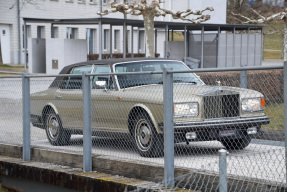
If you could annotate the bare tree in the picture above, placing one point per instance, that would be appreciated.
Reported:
(258, 18)
(151, 10)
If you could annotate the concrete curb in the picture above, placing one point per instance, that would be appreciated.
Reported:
(65, 170)
(67, 177)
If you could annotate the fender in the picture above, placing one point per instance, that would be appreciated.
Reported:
(149, 113)
(53, 107)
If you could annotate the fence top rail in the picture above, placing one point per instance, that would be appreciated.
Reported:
(231, 69)
(143, 73)
(10, 76)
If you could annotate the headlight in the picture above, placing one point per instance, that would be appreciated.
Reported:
(253, 104)
(186, 109)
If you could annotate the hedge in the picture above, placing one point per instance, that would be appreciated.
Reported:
(270, 83)
(116, 55)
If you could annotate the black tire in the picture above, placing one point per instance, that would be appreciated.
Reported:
(56, 134)
(236, 144)
(148, 142)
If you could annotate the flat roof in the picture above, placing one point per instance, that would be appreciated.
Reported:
(139, 23)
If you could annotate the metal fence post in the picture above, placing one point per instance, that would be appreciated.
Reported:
(285, 111)
(87, 132)
(243, 79)
(26, 117)
(222, 170)
(168, 128)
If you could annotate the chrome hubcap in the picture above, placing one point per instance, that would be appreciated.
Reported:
(53, 127)
(143, 135)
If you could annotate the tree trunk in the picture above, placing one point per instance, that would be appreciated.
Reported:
(285, 41)
(149, 34)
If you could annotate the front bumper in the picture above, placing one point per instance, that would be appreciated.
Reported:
(208, 130)
(222, 124)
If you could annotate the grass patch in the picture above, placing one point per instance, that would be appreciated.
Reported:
(11, 66)
(273, 41)
(272, 54)
(275, 111)
(177, 36)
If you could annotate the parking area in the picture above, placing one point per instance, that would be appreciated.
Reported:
(262, 159)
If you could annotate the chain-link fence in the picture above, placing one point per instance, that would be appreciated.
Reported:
(123, 115)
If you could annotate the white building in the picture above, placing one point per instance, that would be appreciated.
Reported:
(12, 47)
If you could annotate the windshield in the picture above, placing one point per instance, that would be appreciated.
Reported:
(153, 66)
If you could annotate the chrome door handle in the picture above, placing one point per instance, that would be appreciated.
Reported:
(58, 97)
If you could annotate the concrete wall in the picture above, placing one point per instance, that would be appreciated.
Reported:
(37, 55)
(65, 51)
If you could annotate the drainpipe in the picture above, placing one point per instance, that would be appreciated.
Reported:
(19, 32)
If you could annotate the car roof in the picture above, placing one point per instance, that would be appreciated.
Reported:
(66, 69)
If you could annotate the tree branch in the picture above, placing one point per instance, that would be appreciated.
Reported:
(246, 20)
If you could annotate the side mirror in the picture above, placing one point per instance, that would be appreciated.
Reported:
(100, 84)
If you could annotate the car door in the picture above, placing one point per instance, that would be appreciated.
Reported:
(105, 112)
(69, 100)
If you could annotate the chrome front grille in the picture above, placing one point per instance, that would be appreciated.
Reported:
(221, 106)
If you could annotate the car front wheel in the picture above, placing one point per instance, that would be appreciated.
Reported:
(55, 132)
(236, 144)
(148, 142)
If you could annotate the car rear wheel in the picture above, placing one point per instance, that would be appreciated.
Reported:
(236, 144)
(148, 142)
(55, 132)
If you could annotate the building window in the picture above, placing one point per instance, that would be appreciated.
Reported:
(141, 42)
(90, 35)
(28, 33)
(105, 1)
(55, 32)
(40, 32)
(116, 39)
(71, 33)
(106, 34)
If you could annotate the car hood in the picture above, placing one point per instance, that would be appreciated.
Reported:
(184, 92)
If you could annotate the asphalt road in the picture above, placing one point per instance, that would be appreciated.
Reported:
(262, 159)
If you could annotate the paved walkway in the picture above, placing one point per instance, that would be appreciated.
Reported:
(267, 62)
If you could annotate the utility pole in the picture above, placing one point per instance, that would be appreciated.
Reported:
(125, 17)
(19, 32)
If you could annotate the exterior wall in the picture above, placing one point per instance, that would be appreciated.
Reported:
(37, 56)
(75, 50)
(218, 16)
(63, 9)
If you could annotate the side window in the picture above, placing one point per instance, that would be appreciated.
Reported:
(75, 82)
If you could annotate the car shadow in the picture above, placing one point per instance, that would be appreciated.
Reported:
(127, 144)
